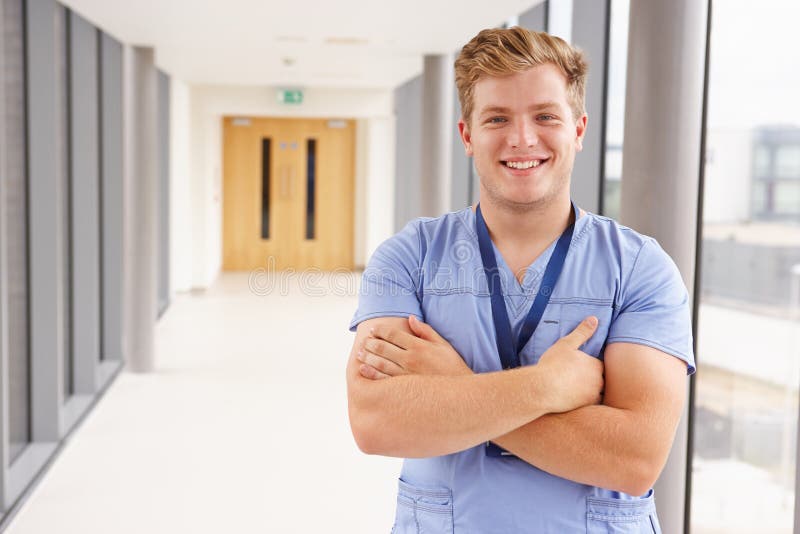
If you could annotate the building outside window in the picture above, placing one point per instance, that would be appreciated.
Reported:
(748, 324)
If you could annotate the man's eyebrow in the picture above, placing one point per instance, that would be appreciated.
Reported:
(544, 105)
(535, 107)
(494, 109)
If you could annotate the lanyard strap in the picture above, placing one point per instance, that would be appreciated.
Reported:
(509, 354)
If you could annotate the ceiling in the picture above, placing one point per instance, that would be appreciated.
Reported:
(343, 43)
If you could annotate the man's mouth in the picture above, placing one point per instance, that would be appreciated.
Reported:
(523, 164)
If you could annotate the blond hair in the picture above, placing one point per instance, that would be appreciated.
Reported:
(501, 52)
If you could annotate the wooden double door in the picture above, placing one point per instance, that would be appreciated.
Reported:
(288, 193)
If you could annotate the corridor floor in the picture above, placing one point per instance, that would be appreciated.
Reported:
(242, 428)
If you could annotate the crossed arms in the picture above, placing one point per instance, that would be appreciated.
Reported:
(411, 395)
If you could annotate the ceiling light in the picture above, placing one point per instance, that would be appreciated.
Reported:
(345, 41)
(291, 39)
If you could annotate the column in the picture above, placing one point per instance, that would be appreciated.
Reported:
(660, 172)
(141, 209)
(437, 125)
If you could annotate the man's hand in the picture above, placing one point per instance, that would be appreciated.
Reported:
(573, 378)
(391, 352)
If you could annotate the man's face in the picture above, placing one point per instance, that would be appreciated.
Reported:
(523, 137)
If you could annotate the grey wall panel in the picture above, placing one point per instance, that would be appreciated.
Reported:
(408, 150)
(535, 18)
(4, 353)
(85, 212)
(64, 193)
(462, 186)
(163, 191)
(46, 297)
(111, 169)
(590, 22)
(15, 221)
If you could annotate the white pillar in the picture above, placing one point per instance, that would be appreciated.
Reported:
(661, 164)
(437, 133)
(141, 205)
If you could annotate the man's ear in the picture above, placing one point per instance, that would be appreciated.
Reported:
(466, 137)
(580, 131)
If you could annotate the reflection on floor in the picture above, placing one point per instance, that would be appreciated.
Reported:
(243, 428)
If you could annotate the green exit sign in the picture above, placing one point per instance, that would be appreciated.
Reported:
(290, 96)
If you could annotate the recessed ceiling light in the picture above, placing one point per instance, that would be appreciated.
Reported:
(338, 75)
(345, 41)
(291, 39)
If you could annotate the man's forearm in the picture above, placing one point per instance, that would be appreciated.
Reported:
(422, 415)
(596, 445)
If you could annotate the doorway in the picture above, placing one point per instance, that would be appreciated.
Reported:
(288, 190)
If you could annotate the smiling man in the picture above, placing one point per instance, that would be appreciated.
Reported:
(542, 391)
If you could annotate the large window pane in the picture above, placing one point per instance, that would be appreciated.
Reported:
(615, 118)
(787, 161)
(746, 403)
(16, 224)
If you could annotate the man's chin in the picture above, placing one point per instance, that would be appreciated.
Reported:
(525, 204)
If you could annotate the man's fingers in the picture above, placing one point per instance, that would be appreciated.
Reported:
(384, 349)
(370, 372)
(394, 336)
(582, 333)
(423, 330)
(383, 365)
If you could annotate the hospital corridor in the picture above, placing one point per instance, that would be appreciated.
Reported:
(242, 427)
(202, 202)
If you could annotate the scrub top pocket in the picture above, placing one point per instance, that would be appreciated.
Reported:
(545, 335)
(423, 510)
(622, 516)
(572, 313)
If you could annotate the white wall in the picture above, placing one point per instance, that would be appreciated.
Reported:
(379, 191)
(559, 18)
(180, 194)
(199, 234)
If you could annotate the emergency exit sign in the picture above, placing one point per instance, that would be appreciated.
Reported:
(290, 96)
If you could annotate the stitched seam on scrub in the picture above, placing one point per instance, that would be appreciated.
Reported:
(617, 518)
(402, 500)
(654, 344)
(383, 314)
(582, 300)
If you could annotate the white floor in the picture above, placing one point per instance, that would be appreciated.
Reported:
(243, 427)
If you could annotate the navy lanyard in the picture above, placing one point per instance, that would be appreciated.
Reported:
(509, 354)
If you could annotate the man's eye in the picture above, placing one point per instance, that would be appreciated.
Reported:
(546, 117)
(497, 120)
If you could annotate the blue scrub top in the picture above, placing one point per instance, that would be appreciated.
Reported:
(433, 269)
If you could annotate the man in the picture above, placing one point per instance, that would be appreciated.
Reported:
(542, 392)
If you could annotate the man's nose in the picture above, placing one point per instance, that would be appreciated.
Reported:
(523, 135)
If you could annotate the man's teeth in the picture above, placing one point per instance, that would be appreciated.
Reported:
(523, 164)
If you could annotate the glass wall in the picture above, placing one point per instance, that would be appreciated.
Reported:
(38, 235)
(615, 117)
(746, 400)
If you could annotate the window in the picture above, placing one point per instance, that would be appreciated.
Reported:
(746, 389)
(615, 118)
